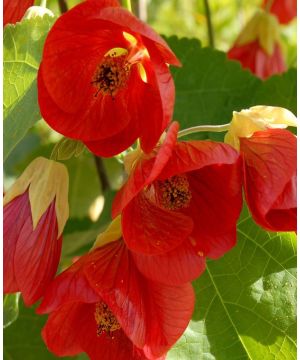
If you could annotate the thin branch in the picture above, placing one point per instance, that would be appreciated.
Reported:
(210, 31)
(102, 173)
(63, 7)
(204, 128)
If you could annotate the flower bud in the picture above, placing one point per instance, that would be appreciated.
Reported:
(35, 212)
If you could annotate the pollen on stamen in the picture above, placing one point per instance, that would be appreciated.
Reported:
(106, 321)
(112, 74)
(174, 193)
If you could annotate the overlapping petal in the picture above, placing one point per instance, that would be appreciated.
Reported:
(270, 178)
(109, 274)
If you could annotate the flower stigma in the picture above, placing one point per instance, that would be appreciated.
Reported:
(174, 193)
(105, 319)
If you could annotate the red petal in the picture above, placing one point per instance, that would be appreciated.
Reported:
(145, 171)
(285, 10)
(133, 25)
(14, 10)
(176, 267)
(69, 286)
(215, 207)
(149, 229)
(35, 252)
(138, 304)
(72, 329)
(253, 57)
(195, 155)
(269, 180)
(12, 226)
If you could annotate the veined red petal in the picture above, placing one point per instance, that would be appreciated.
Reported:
(36, 252)
(14, 10)
(146, 170)
(149, 229)
(72, 329)
(215, 206)
(70, 286)
(194, 155)
(140, 305)
(269, 179)
(253, 57)
(181, 265)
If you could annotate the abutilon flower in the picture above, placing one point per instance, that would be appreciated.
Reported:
(104, 78)
(35, 212)
(179, 205)
(285, 10)
(269, 162)
(102, 305)
(257, 47)
(13, 10)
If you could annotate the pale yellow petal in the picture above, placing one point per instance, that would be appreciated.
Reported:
(112, 233)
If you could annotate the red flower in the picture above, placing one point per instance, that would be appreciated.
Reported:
(257, 47)
(35, 211)
(253, 57)
(285, 10)
(13, 10)
(104, 79)
(269, 158)
(103, 306)
(180, 203)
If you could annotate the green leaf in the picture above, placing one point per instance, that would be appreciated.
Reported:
(246, 301)
(10, 308)
(209, 87)
(23, 341)
(23, 45)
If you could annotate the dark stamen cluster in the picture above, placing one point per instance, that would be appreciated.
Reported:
(174, 193)
(105, 319)
(111, 75)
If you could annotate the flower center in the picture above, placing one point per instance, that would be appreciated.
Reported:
(112, 74)
(105, 319)
(174, 193)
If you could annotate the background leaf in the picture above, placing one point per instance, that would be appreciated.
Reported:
(209, 87)
(246, 301)
(23, 45)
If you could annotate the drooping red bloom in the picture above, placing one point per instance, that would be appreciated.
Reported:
(181, 204)
(253, 57)
(285, 10)
(33, 219)
(103, 306)
(269, 162)
(257, 47)
(13, 10)
(270, 170)
(104, 78)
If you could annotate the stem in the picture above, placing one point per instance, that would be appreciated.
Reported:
(63, 7)
(210, 31)
(127, 5)
(43, 3)
(102, 173)
(203, 128)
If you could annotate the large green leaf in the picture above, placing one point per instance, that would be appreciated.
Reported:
(246, 301)
(209, 87)
(23, 45)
